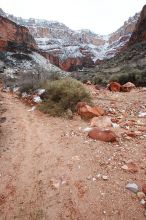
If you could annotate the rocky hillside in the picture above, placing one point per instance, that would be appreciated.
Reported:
(20, 63)
(139, 33)
(128, 65)
(72, 50)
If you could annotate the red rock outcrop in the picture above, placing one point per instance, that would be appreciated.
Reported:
(106, 135)
(70, 63)
(13, 36)
(139, 33)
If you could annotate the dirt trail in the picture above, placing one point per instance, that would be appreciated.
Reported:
(47, 169)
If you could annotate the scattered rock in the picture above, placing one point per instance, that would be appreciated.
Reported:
(57, 182)
(101, 122)
(142, 114)
(114, 87)
(37, 99)
(88, 82)
(131, 134)
(132, 187)
(86, 111)
(89, 177)
(105, 177)
(115, 120)
(124, 167)
(24, 95)
(141, 195)
(106, 135)
(127, 87)
(7, 89)
(40, 91)
(115, 125)
(87, 129)
(142, 202)
(131, 167)
(32, 109)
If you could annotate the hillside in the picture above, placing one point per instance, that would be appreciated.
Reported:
(128, 65)
(72, 50)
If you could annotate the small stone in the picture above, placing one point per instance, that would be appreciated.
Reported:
(89, 177)
(98, 175)
(94, 179)
(105, 177)
(132, 187)
(131, 167)
(124, 167)
(140, 195)
(142, 202)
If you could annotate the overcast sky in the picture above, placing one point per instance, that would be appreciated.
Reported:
(100, 16)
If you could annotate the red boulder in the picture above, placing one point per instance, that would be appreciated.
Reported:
(106, 135)
(86, 111)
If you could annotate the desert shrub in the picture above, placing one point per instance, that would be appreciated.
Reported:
(123, 78)
(101, 79)
(136, 76)
(61, 95)
(97, 79)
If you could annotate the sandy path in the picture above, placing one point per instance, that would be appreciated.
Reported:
(45, 169)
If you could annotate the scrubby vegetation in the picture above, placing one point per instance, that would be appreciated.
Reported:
(136, 76)
(62, 95)
(127, 66)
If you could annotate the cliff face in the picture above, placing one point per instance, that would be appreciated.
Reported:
(73, 50)
(139, 33)
(14, 37)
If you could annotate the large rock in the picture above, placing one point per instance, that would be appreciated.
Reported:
(102, 135)
(14, 37)
(114, 87)
(127, 87)
(86, 111)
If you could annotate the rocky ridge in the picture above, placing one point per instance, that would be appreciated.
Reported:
(139, 33)
(128, 65)
(13, 36)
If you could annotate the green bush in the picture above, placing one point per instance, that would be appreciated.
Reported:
(62, 95)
